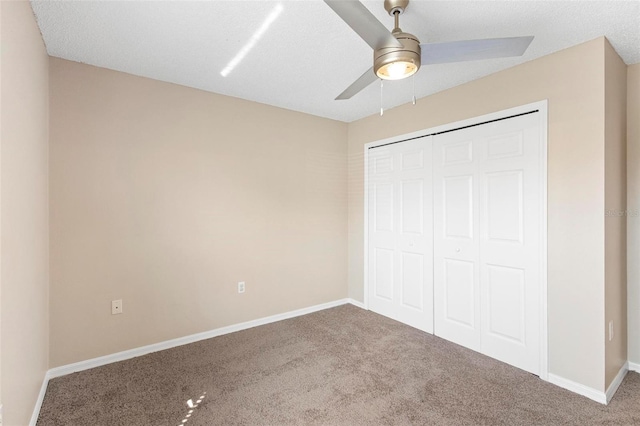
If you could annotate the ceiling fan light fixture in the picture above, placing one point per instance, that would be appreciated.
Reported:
(396, 70)
(393, 63)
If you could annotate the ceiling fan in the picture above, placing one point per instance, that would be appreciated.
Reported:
(398, 55)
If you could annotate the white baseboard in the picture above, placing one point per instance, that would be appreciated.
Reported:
(168, 344)
(634, 367)
(354, 302)
(578, 388)
(40, 400)
(596, 395)
(615, 384)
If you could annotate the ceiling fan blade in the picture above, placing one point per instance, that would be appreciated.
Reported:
(364, 23)
(471, 50)
(363, 81)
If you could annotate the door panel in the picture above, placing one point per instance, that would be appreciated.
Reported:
(509, 175)
(459, 288)
(412, 160)
(383, 206)
(487, 217)
(411, 206)
(400, 226)
(383, 273)
(505, 145)
(456, 289)
(457, 153)
(505, 206)
(506, 310)
(383, 164)
(412, 280)
(457, 193)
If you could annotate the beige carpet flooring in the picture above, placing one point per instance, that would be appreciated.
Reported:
(341, 366)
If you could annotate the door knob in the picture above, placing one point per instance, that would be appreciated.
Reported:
(457, 250)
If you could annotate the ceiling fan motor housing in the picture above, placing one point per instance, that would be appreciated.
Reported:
(395, 6)
(408, 54)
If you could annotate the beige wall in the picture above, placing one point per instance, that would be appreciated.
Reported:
(166, 197)
(633, 207)
(615, 205)
(24, 212)
(573, 82)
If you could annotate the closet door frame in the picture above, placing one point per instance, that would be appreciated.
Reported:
(541, 109)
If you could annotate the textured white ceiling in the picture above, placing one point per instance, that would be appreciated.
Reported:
(309, 55)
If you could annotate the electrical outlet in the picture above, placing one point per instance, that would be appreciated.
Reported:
(241, 287)
(116, 307)
(611, 330)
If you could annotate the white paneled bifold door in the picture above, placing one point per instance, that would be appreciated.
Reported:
(400, 254)
(455, 226)
(487, 239)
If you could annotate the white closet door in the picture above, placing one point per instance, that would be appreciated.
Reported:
(487, 239)
(509, 173)
(400, 253)
(456, 260)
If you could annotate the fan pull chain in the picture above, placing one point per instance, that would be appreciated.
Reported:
(413, 81)
(381, 86)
